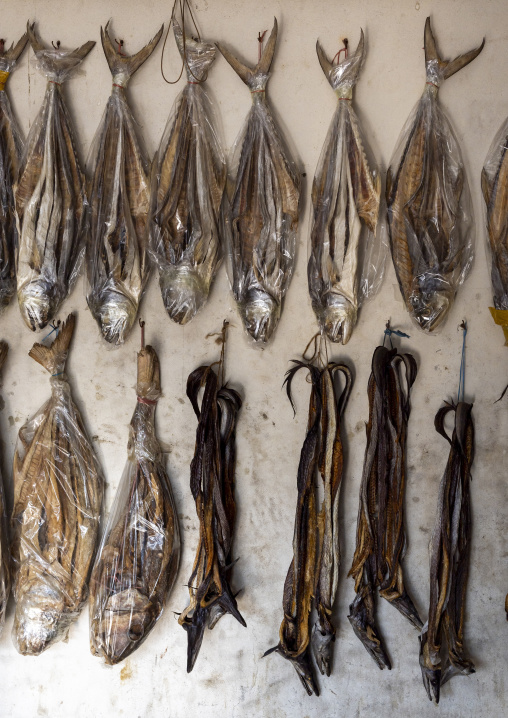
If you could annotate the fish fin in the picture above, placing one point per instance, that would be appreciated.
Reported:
(35, 41)
(243, 72)
(486, 188)
(131, 63)
(82, 52)
(4, 348)
(449, 67)
(195, 628)
(325, 63)
(56, 353)
(14, 52)
(265, 62)
(462, 60)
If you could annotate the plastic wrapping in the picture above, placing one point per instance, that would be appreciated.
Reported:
(11, 148)
(139, 554)
(58, 491)
(50, 196)
(188, 185)
(264, 207)
(345, 199)
(430, 215)
(117, 247)
(5, 579)
(495, 194)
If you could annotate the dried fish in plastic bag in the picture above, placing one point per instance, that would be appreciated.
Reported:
(346, 262)
(430, 214)
(11, 148)
(314, 571)
(50, 196)
(189, 181)
(117, 247)
(139, 553)
(380, 534)
(58, 490)
(264, 206)
(449, 557)
(5, 579)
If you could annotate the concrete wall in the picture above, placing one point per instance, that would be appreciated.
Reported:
(230, 678)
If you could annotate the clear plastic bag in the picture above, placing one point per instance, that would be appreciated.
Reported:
(5, 580)
(117, 251)
(346, 262)
(430, 215)
(264, 207)
(50, 196)
(58, 491)
(188, 186)
(138, 558)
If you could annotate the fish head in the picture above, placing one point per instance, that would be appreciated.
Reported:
(431, 301)
(338, 318)
(116, 315)
(183, 292)
(261, 314)
(37, 303)
(126, 621)
(322, 648)
(40, 617)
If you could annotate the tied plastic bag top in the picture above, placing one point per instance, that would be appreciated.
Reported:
(188, 188)
(11, 149)
(139, 554)
(345, 263)
(495, 194)
(264, 206)
(50, 196)
(58, 491)
(430, 216)
(5, 582)
(117, 247)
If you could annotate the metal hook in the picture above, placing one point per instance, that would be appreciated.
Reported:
(57, 46)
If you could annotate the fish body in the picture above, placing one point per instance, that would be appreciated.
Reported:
(264, 207)
(119, 191)
(189, 181)
(345, 201)
(5, 578)
(428, 202)
(50, 196)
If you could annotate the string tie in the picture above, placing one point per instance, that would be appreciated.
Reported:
(462, 374)
(148, 402)
(58, 373)
(54, 328)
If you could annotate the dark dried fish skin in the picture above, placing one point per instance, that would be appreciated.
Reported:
(5, 578)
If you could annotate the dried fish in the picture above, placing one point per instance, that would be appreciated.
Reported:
(58, 490)
(449, 557)
(314, 571)
(380, 535)
(5, 580)
(264, 206)
(345, 201)
(117, 248)
(430, 216)
(138, 558)
(11, 148)
(50, 196)
(212, 483)
(189, 182)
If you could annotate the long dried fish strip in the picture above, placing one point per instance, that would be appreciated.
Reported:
(58, 490)
(5, 579)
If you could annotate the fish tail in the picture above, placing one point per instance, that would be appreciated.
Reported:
(15, 51)
(56, 354)
(244, 72)
(130, 63)
(449, 67)
(352, 70)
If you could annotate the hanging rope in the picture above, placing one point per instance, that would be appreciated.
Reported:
(389, 331)
(182, 5)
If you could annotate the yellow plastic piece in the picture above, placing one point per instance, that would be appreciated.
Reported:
(3, 79)
(500, 316)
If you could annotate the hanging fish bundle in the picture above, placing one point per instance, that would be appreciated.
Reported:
(50, 196)
(343, 268)
(449, 558)
(117, 248)
(380, 534)
(11, 148)
(430, 215)
(58, 490)
(314, 571)
(264, 206)
(5, 580)
(189, 182)
(212, 484)
(138, 558)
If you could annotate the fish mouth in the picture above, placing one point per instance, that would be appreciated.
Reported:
(338, 318)
(260, 314)
(40, 618)
(183, 292)
(37, 304)
(431, 301)
(115, 315)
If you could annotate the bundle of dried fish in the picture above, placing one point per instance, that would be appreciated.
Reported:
(495, 194)
(139, 554)
(380, 535)
(449, 558)
(314, 571)
(429, 206)
(345, 200)
(58, 489)
(11, 148)
(264, 206)
(187, 190)
(50, 196)
(212, 483)
(5, 582)
(117, 247)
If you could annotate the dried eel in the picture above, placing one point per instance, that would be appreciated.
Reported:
(428, 202)
(345, 201)
(312, 577)
(11, 148)
(138, 558)
(449, 557)
(188, 184)
(5, 579)
(264, 206)
(117, 247)
(380, 535)
(58, 490)
(50, 196)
